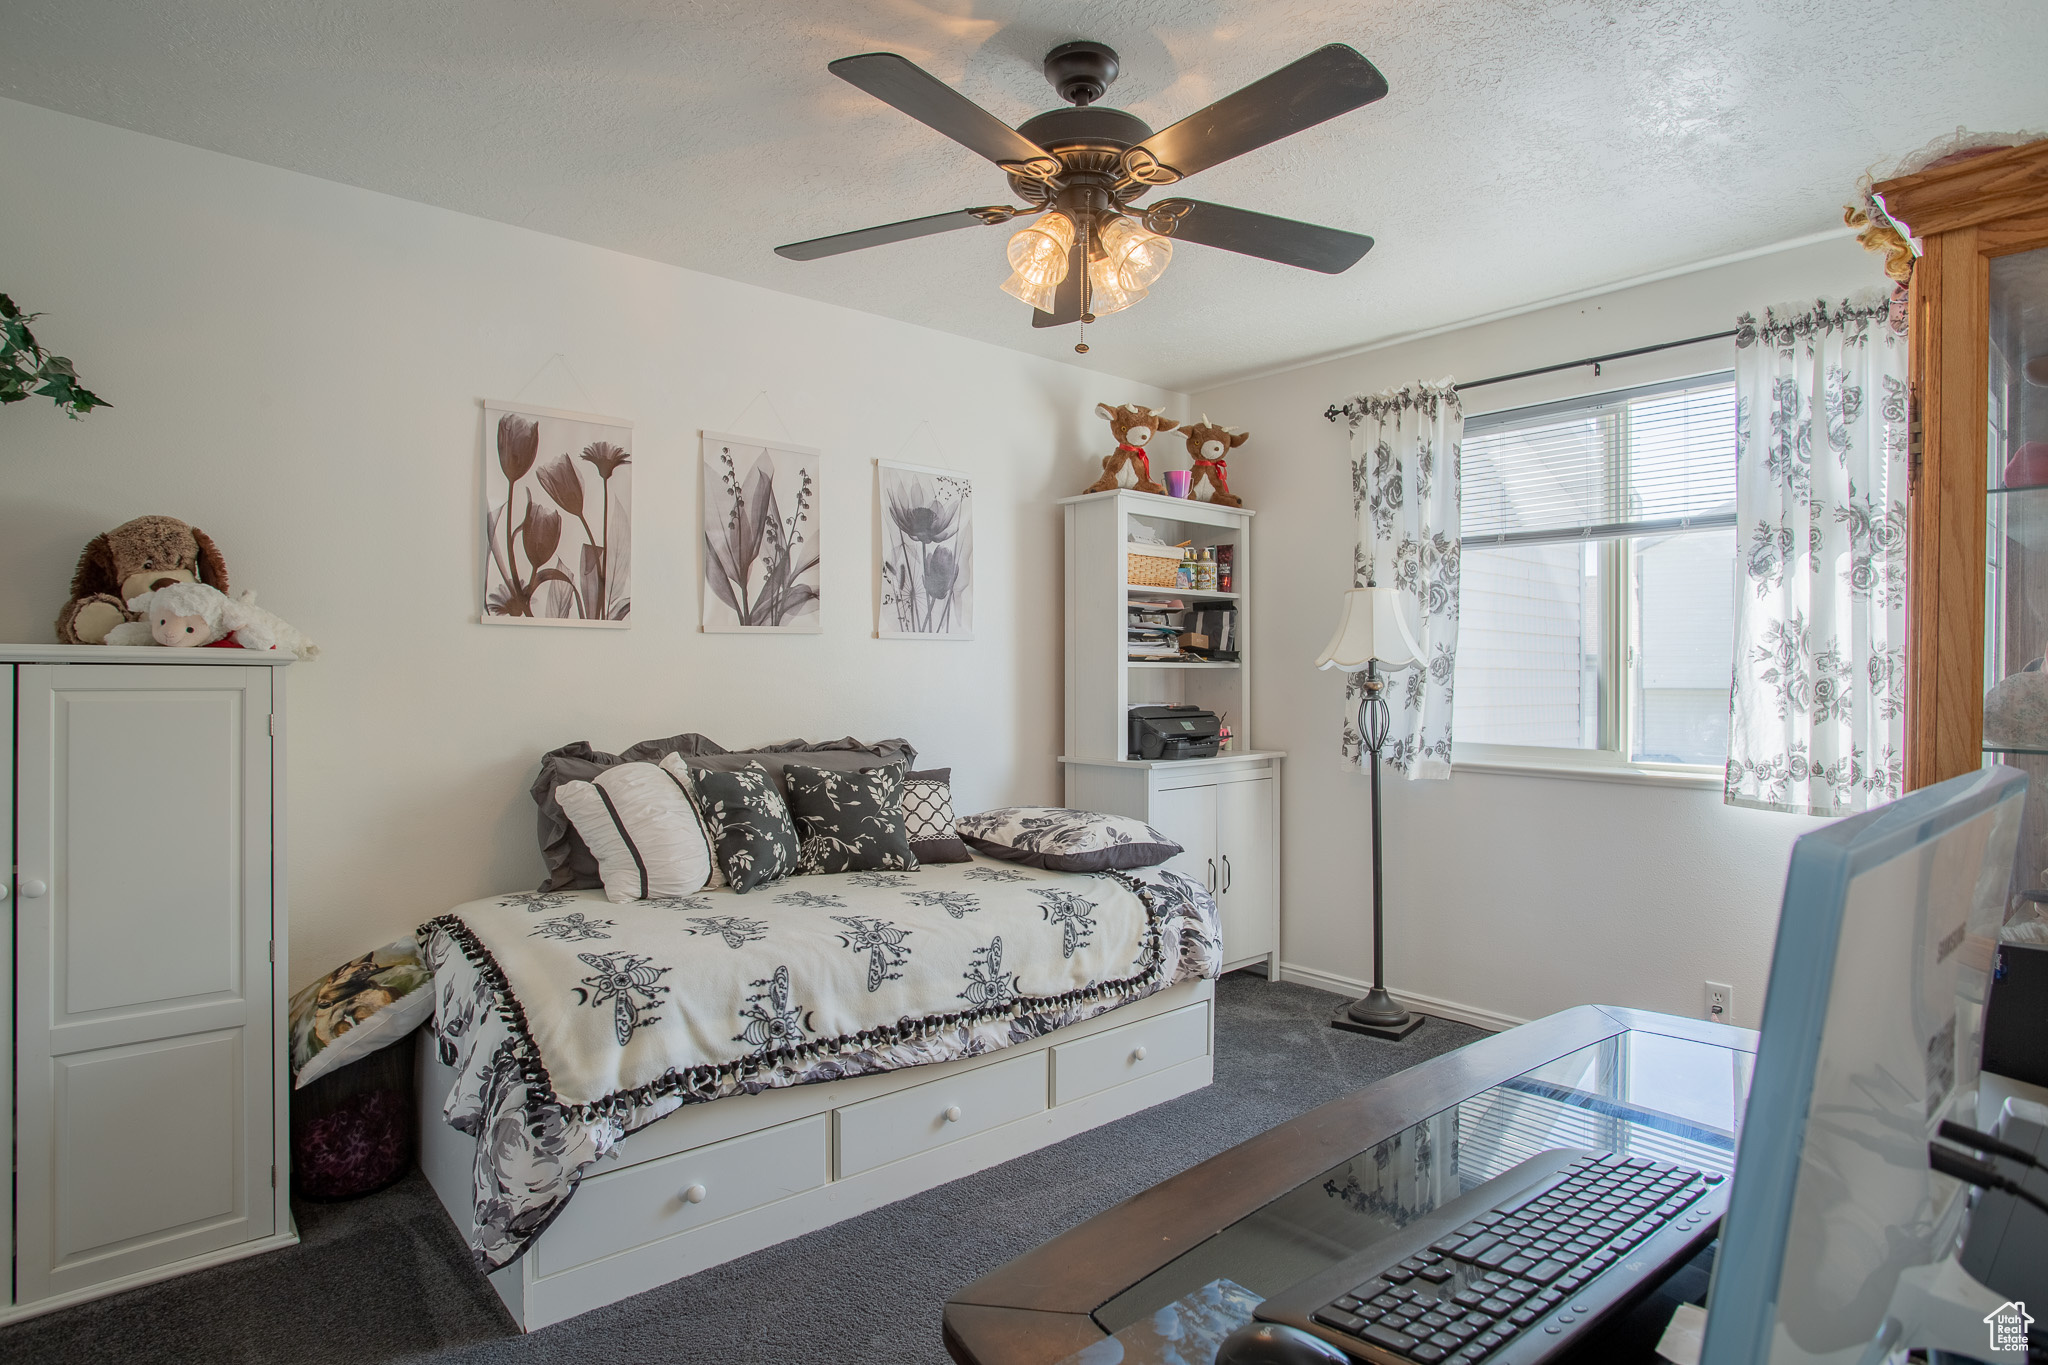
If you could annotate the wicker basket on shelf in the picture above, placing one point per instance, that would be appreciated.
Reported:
(1152, 566)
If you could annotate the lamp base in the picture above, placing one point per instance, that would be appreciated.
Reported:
(1376, 1015)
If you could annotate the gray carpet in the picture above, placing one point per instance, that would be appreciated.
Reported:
(386, 1279)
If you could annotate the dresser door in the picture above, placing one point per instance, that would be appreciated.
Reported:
(1246, 834)
(144, 986)
(7, 958)
(1187, 815)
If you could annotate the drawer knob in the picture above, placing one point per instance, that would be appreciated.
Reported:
(1137, 1054)
(952, 1113)
(694, 1195)
(32, 888)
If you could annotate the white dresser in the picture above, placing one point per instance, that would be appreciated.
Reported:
(148, 1060)
(1224, 812)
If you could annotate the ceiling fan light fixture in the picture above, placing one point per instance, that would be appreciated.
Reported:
(1038, 255)
(1134, 257)
(1107, 291)
(1039, 296)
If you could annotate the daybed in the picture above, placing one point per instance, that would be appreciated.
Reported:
(865, 1036)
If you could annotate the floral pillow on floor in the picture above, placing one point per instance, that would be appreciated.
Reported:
(1066, 840)
(849, 822)
(357, 1008)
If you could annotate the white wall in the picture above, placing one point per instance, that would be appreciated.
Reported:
(295, 367)
(1508, 895)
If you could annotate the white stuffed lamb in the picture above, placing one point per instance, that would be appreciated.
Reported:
(191, 614)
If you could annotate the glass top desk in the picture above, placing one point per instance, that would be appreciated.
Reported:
(1321, 1187)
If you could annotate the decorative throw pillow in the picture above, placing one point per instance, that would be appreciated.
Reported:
(572, 867)
(357, 1008)
(749, 825)
(639, 822)
(1066, 840)
(928, 817)
(849, 822)
(842, 755)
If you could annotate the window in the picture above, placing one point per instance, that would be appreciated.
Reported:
(1597, 620)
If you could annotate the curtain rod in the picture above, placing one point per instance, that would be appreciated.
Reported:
(1596, 361)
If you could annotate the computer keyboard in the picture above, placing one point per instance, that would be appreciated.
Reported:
(1517, 1270)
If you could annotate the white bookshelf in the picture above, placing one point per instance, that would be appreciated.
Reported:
(1225, 810)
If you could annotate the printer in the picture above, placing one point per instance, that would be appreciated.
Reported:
(1174, 732)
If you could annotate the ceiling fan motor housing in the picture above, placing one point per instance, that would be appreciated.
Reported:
(1088, 142)
(1081, 71)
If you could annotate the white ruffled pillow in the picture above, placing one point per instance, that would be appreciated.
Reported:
(642, 827)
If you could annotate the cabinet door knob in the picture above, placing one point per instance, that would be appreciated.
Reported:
(32, 887)
(1137, 1054)
(1226, 874)
(1212, 876)
(5, 891)
(952, 1113)
(694, 1195)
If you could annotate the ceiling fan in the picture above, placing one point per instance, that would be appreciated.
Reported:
(1079, 170)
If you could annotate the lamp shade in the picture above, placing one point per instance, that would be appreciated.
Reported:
(1373, 629)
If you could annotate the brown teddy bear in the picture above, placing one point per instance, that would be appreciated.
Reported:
(1133, 426)
(134, 558)
(1209, 480)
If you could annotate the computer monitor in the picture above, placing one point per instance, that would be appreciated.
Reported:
(1870, 1038)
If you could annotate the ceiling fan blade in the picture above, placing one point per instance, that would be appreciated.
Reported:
(1286, 240)
(900, 82)
(1066, 300)
(1330, 81)
(890, 232)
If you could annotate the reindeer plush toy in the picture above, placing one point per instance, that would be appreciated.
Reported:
(1208, 444)
(1133, 427)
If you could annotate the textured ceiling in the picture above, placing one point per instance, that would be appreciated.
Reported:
(1529, 148)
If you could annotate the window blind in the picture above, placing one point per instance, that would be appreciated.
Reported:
(1634, 462)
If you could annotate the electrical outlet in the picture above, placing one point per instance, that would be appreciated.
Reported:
(1720, 1003)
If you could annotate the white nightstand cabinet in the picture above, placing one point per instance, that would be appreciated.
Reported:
(146, 966)
(1225, 811)
(1225, 814)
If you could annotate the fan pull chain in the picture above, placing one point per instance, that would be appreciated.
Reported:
(1081, 344)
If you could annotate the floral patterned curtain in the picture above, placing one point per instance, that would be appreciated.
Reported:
(1405, 448)
(1818, 699)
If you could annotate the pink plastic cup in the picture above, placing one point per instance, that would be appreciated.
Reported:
(1177, 482)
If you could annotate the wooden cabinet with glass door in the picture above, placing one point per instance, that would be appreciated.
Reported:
(1977, 625)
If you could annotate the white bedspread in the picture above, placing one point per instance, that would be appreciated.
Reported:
(573, 1021)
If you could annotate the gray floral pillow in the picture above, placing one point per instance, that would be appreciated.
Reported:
(750, 828)
(1066, 840)
(849, 822)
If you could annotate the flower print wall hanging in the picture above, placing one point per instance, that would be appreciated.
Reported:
(558, 517)
(927, 580)
(760, 536)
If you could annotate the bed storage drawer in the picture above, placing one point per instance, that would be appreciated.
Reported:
(650, 1201)
(890, 1127)
(1102, 1060)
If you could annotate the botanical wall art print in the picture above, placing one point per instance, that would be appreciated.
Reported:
(760, 536)
(927, 553)
(558, 517)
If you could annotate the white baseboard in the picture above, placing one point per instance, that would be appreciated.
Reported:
(1421, 1004)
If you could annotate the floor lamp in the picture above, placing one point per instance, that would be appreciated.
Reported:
(1373, 635)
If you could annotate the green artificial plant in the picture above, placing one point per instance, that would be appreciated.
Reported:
(26, 368)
